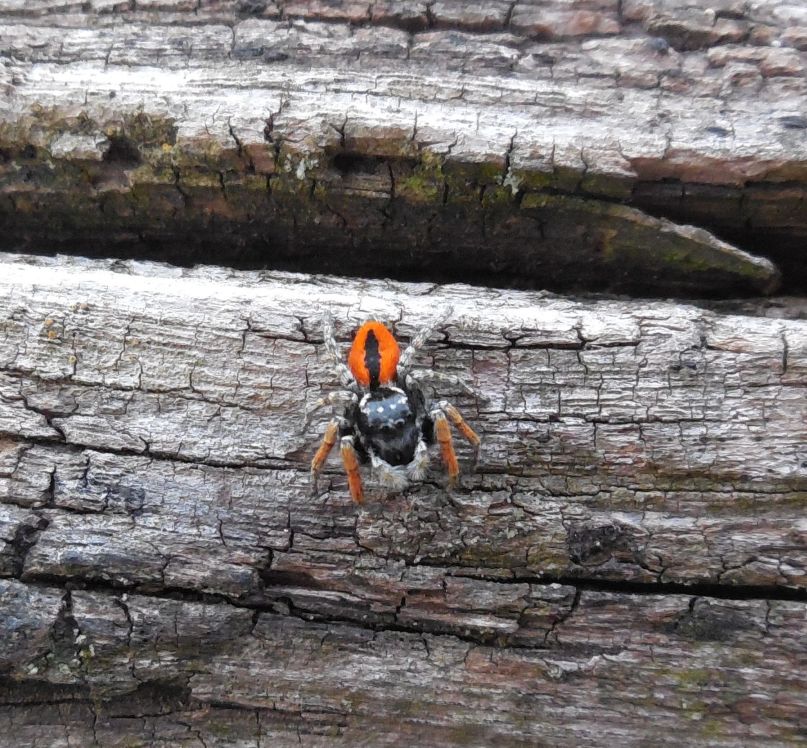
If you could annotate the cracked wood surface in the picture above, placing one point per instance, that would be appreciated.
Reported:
(169, 577)
(702, 670)
(488, 140)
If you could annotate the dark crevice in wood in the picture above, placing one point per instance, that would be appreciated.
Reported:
(122, 151)
(267, 464)
(170, 695)
(284, 605)
(697, 589)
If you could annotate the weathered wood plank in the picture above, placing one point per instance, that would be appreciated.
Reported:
(169, 576)
(687, 668)
(402, 137)
(622, 440)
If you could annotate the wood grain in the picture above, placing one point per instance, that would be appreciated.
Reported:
(167, 572)
(420, 140)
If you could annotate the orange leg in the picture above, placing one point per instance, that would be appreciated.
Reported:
(351, 463)
(459, 422)
(325, 447)
(442, 432)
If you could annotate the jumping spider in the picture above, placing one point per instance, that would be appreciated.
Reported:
(386, 419)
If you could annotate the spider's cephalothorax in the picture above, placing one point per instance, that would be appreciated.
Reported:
(386, 419)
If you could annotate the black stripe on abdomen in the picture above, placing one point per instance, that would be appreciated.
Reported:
(372, 358)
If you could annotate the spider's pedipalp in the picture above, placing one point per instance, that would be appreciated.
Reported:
(420, 338)
(392, 478)
(416, 470)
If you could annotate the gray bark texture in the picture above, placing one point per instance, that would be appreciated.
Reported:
(562, 144)
(627, 564)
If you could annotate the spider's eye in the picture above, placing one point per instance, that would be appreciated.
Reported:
(374, 355)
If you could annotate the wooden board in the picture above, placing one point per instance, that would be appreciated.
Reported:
(443, 140)
(627, 564)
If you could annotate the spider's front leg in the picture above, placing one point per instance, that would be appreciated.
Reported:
(339, 429)
(442, 433)
(350, 460)
(441, 414)
(325, 447)
(462, 426)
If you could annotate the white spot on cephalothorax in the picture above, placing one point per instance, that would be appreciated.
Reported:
(379, 409)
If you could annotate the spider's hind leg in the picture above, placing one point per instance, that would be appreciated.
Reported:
(420, 338)
(345, 398)
(430, 376)
(335, 355)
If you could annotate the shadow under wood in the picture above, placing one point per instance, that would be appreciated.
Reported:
(372, 227)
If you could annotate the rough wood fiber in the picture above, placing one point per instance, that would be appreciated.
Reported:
(481, 140)
(169, 578)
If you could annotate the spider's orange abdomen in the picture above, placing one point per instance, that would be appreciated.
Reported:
(374, 355)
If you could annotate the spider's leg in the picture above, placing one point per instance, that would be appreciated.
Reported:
(420, 338)
(439, 377)
(442, 433)
(461, 425)
(351, 462)
(325, 447)
(344, 398)
(335, 355)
